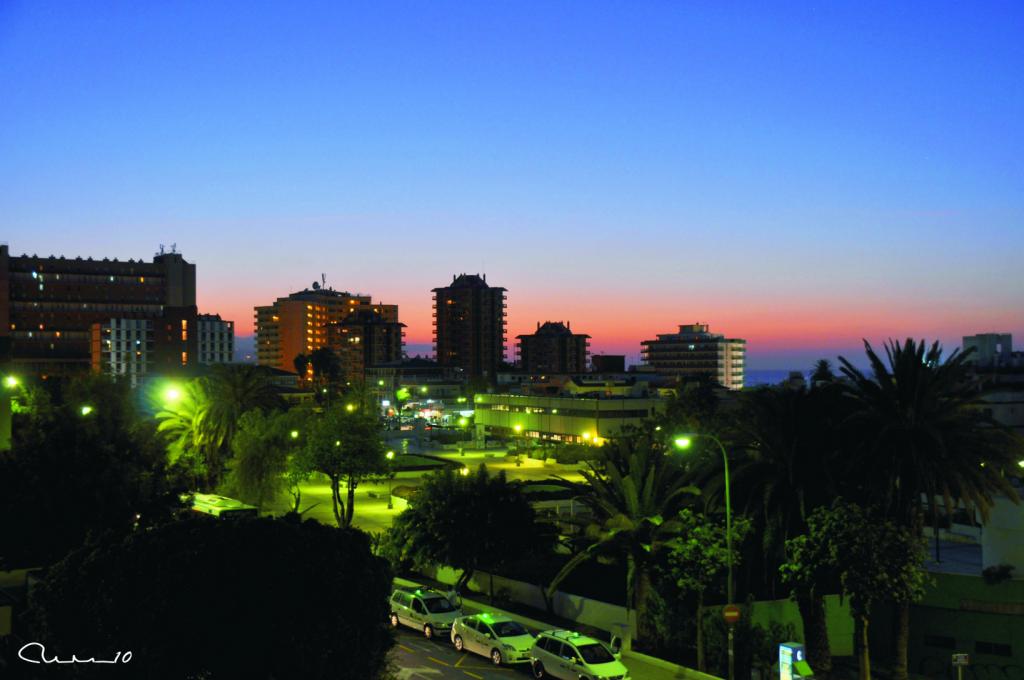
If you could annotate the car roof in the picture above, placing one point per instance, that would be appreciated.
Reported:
(419, 592)
(570, 636)
(488, 617)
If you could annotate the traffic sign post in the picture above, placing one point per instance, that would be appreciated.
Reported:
(731, 614)
(959, 661)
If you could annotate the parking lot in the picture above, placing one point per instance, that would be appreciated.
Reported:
(418, 658)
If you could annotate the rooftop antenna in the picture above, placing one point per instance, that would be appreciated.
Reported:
(161, 249)
(174, 248)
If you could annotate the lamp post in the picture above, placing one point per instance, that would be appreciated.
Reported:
(390, 455)
(683, 442)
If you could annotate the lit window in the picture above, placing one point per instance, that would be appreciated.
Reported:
(184, 358)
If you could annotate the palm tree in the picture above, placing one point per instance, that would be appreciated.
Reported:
(634, 501)
(923, 437)
(201, 425)
(182, 423)
(788, 449)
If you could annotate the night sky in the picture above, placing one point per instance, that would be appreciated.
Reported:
(798, 174)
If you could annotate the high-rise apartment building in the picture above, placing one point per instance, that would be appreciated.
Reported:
(216, 339)
(469, 326)
(49, 305)
(553, 348)
(363, 339)
(694, 352)
(298, 324)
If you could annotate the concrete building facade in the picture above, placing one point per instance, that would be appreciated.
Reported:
(553, 348)
(48, 305)
(469, 326)
(216, 339)
(694, 353)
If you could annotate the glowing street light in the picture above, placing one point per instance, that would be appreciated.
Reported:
(463, 422)
(350, 407)
(85, 410)
(390, 455)
(172, 394)
(11, 381)
(294, 434)
(682, 442)
(518, 428)
(464, 471)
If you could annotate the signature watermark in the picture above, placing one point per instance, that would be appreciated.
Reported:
(35, 652)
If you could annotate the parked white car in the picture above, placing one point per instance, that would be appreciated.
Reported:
(500, 638)
(423, 609)
(566, 655)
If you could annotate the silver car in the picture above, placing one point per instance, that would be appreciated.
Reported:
(423, 609)
(500, 638)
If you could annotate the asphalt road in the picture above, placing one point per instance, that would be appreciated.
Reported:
(417, 658)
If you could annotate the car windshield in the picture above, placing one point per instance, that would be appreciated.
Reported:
(508, 629)
(595, 653)
(438, 605)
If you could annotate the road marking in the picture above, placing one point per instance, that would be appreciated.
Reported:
(438, 661)
(408, 649)
(474, 675)
(461, 659)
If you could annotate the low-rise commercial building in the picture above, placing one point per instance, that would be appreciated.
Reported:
(579, 419)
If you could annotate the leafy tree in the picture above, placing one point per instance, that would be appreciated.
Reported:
(261, 447)
(326, 365)
(921, 433)
(468, 522)
(204, 598)
(698, 555)
(875, 559)
(634, 501)
(344, 443)
(83, 460)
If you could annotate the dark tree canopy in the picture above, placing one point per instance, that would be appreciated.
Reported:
(83, 461)
(213, 599)
(469, 522)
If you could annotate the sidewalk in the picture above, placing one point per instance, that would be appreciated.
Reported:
(641, 666)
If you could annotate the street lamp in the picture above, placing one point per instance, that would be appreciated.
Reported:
(10, 382)
(294, 434)
(85, 410)
(390, 455)
(682, 442)
(464, 471)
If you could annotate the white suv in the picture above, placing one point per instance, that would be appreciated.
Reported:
(567, 655)
(501, 638)
(423, 609)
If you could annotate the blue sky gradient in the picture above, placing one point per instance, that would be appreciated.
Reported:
(800, 174)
